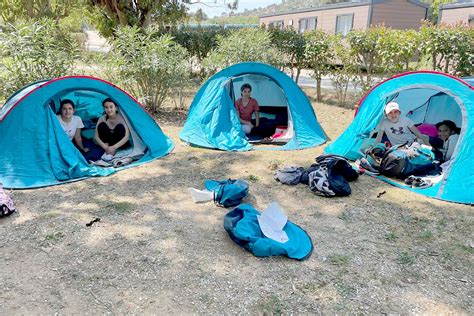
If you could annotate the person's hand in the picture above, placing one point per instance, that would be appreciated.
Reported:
(112, 150)
(86, 149)
(425, 139)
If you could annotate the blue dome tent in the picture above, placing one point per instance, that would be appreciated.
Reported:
(35, 151)
(213, 121)
(425, 97)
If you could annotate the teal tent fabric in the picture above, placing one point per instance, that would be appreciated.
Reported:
(36, 152)
(213, 121)
(445, 97)
(242, 226)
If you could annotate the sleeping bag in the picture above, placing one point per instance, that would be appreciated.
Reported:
(243, 228)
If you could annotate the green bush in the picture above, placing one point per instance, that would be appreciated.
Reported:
(319, 56)
(32, 51)
(344, 72)
(240, 46)
(363, 46)
(148, 66)
(292, 45)
(198, 42)
(396, 49)
(450, 48)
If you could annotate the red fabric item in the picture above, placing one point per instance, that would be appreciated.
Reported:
(428, 129)
(245, 112)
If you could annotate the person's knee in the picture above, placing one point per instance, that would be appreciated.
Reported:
(246, 128)
(102, 127)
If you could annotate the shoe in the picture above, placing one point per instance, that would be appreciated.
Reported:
(101, 163)
(419, 183)
(409, 181)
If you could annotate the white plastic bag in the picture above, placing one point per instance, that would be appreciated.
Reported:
(201, 195)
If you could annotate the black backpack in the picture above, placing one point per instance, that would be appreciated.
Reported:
(397, 162)
(394, 163)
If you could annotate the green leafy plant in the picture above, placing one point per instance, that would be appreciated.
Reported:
(292, 44)
(318, 56)
(240, 46)
(32, 51)
(253, 177)
(363, 46)
(391, 236)
(198, 42)
(450, 48)
(404, 258)
(148, 66)
(345, 73)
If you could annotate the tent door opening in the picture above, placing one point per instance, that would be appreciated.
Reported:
(426, 107)
(276, 125)
(88, 106)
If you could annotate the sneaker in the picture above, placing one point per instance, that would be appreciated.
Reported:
(409, 181)
(101, 163)
(420, 183)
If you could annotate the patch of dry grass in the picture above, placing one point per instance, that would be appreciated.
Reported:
(155, 251)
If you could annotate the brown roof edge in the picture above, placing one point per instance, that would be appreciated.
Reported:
(320, 8)
(457, 5)
(415, 2)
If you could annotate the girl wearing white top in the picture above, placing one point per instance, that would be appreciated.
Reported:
(448, 132)
(71, 123)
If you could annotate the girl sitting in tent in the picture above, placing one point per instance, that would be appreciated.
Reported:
(111, 132)
(245, 107)
(448, 133)
(71, 123)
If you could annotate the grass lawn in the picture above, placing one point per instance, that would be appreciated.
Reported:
(155, 251)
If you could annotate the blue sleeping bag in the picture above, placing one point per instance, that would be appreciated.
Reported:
(242, 226)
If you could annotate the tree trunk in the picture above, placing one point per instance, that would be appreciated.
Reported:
(147, 19)
(318, 89)
(298, 71)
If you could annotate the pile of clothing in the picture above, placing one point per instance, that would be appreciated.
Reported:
(329, 176)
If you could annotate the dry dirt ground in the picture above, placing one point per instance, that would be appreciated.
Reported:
(156, 252)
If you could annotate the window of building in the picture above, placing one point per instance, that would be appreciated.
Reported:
(276, 24)
(307, 24)
(344, 23)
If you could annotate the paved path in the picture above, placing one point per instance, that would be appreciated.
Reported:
(96, 43)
